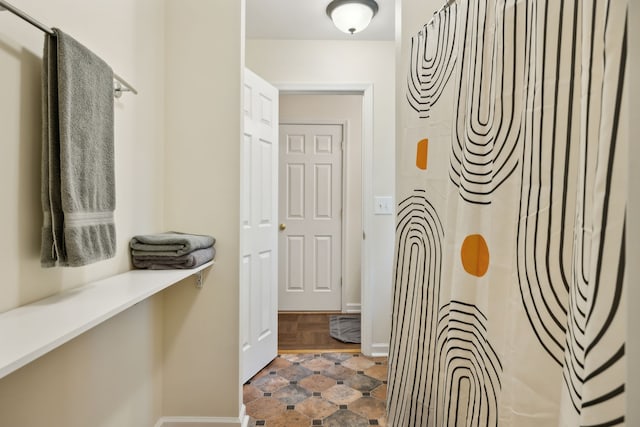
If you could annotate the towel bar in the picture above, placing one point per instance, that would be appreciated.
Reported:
(120, 84)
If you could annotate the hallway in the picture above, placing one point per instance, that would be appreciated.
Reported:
(309, 332)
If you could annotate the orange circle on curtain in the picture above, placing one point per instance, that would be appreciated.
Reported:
(475, 255)
(422, 154)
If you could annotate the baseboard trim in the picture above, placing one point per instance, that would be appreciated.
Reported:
(242, 420)
(353, 308)
(199, 422)
(380, 350)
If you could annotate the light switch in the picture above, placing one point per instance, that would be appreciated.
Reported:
(383, 205)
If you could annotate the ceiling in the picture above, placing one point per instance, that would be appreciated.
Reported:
(307, 20)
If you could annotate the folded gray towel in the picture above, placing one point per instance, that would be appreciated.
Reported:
(169, 244)
(190, 260)
(78, 179)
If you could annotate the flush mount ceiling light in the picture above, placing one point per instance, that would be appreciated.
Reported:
(352, 16)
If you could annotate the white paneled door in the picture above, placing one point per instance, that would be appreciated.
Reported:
(310, 217)
(259, 240)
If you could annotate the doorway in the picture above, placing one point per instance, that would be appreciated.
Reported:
(329, 126)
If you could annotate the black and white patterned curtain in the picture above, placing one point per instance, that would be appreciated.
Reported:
(509, 303)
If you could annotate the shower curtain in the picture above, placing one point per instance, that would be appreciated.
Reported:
(508, 302)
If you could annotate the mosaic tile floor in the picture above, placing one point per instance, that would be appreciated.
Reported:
(328, 389)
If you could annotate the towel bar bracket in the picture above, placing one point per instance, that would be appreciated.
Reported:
(118, 88)
(198, 277)
(121, 85)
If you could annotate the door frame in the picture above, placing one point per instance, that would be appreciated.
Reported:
(366, 90)
(343, 188)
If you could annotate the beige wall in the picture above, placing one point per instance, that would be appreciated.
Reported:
(298, 108)
(204, 61)
(111, 375)
(342, 62)
(176, 353)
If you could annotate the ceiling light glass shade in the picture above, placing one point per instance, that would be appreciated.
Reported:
(352, 16)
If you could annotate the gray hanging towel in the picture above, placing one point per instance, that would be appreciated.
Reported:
(78, 179)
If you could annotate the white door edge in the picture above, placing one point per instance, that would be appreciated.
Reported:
(366, 89)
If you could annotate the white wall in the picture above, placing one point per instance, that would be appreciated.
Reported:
(176, 353)
(298, 108)
(204, 62)
(110, 376)
(337, 62)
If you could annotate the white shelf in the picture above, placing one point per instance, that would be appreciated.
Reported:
(32, 330)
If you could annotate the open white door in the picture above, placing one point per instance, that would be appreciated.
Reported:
(259, 214)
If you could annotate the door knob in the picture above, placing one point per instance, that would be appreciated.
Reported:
(283, 226)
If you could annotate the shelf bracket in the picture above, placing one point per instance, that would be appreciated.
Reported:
(198, 277)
